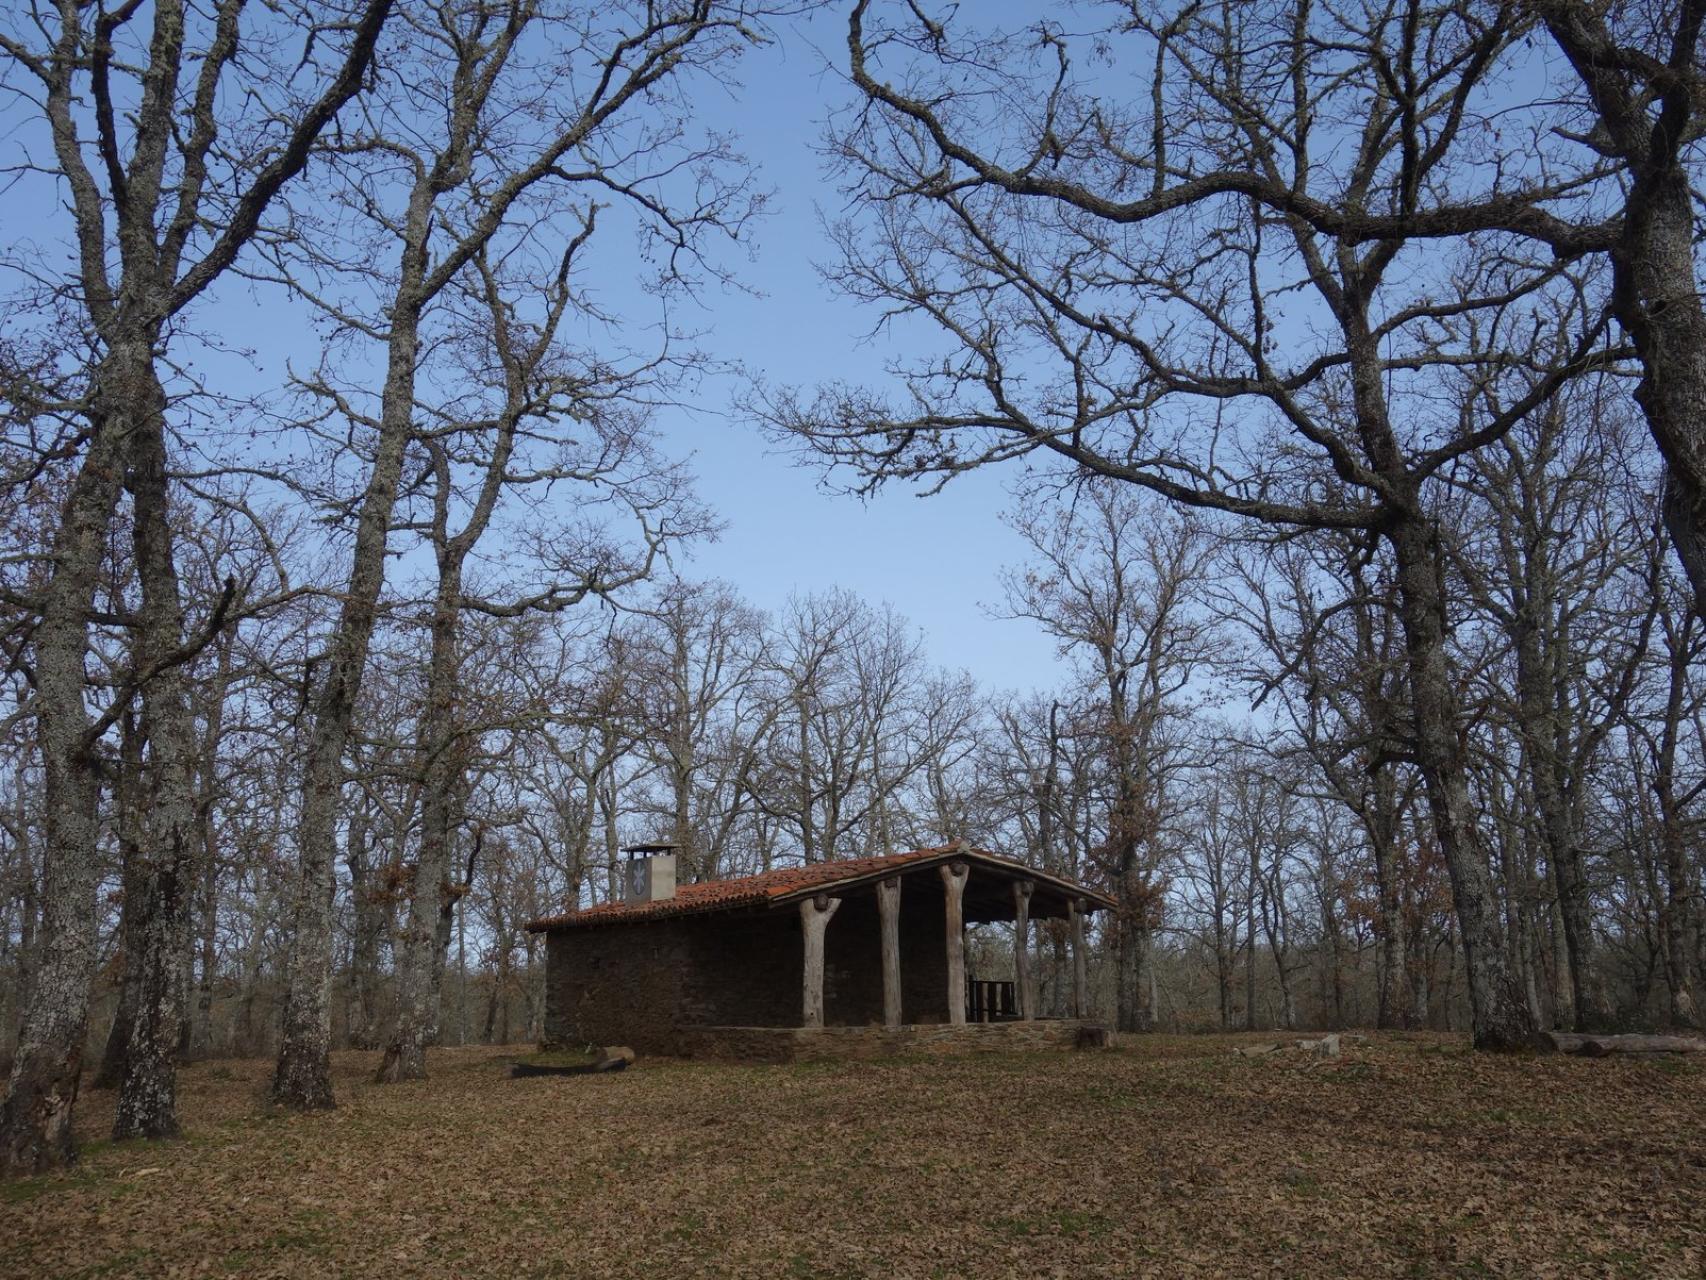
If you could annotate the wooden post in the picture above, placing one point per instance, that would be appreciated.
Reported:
(814, 921)
(954, 885)
(888, 907)
(1022, 890)
(1080, 979)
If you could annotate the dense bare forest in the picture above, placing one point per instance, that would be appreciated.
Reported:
(1346, 365)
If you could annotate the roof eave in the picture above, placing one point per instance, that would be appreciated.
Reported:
(1018, 870)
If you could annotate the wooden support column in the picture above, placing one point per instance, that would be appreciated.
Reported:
(814, 921)
(888, 907)
(954, 876)
(1022, 890)
(1080, 978)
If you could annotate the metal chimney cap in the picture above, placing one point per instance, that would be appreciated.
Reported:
(649, 849)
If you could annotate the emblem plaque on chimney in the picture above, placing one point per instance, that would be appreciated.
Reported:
(649, 875)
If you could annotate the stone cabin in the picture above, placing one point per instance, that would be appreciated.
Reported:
(852, 958)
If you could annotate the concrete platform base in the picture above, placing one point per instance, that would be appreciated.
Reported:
(825, 1044)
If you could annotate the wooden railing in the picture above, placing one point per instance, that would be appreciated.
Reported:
(990, 1001)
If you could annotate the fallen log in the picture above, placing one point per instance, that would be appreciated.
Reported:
(1325, 1047)
(1605, 1046)
(611, 1058)
(519, 1069)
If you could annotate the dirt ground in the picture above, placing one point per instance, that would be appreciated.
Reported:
(1172, 1157)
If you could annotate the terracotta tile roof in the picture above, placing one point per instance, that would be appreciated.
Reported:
(773, 887)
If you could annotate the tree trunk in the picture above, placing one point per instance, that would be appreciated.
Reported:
(1389, 916)
(815, 915)
(35, 1120)
(1500, 1016)
(245, 1038)
(302, 1079)
(1545, 750)
(888, 910)
(365, 895)
(1080, 974)
(1222, 967)
(1027, 1000)
(1134, 943)
(1060, 969)
(417, 1016)
(954, 877)
(1678, 913)
(1254, 887)
(147, 1105)
(201, 1028)
(128, 817)
(201, 1031)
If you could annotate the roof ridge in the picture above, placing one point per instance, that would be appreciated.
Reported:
(779, 883)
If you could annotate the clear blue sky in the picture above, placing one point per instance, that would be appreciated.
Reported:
(935, 559)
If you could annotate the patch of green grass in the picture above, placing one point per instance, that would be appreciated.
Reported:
(1511, 1115)
(1112, 1099)
(120, 1264)
(79, 1177)
(803, 1267)
(1065, 1222)
(1435, 1048)
(1666, 1065)
(686, 1228)
(23, 1190)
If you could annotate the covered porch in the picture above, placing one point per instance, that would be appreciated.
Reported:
(906, 928)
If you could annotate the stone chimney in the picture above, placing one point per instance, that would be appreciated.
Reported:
(649, 875)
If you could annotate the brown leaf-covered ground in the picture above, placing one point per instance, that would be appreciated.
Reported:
(1172, 1157)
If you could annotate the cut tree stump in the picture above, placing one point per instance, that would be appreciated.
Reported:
(1592, 1046)
(610, 1058)
(1091, 1038)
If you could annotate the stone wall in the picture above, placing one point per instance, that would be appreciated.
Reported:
(644, 983)
(798, 1044)
(853, 962)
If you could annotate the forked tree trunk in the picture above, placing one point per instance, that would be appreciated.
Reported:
(35, 1120)
(1499, 1013)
